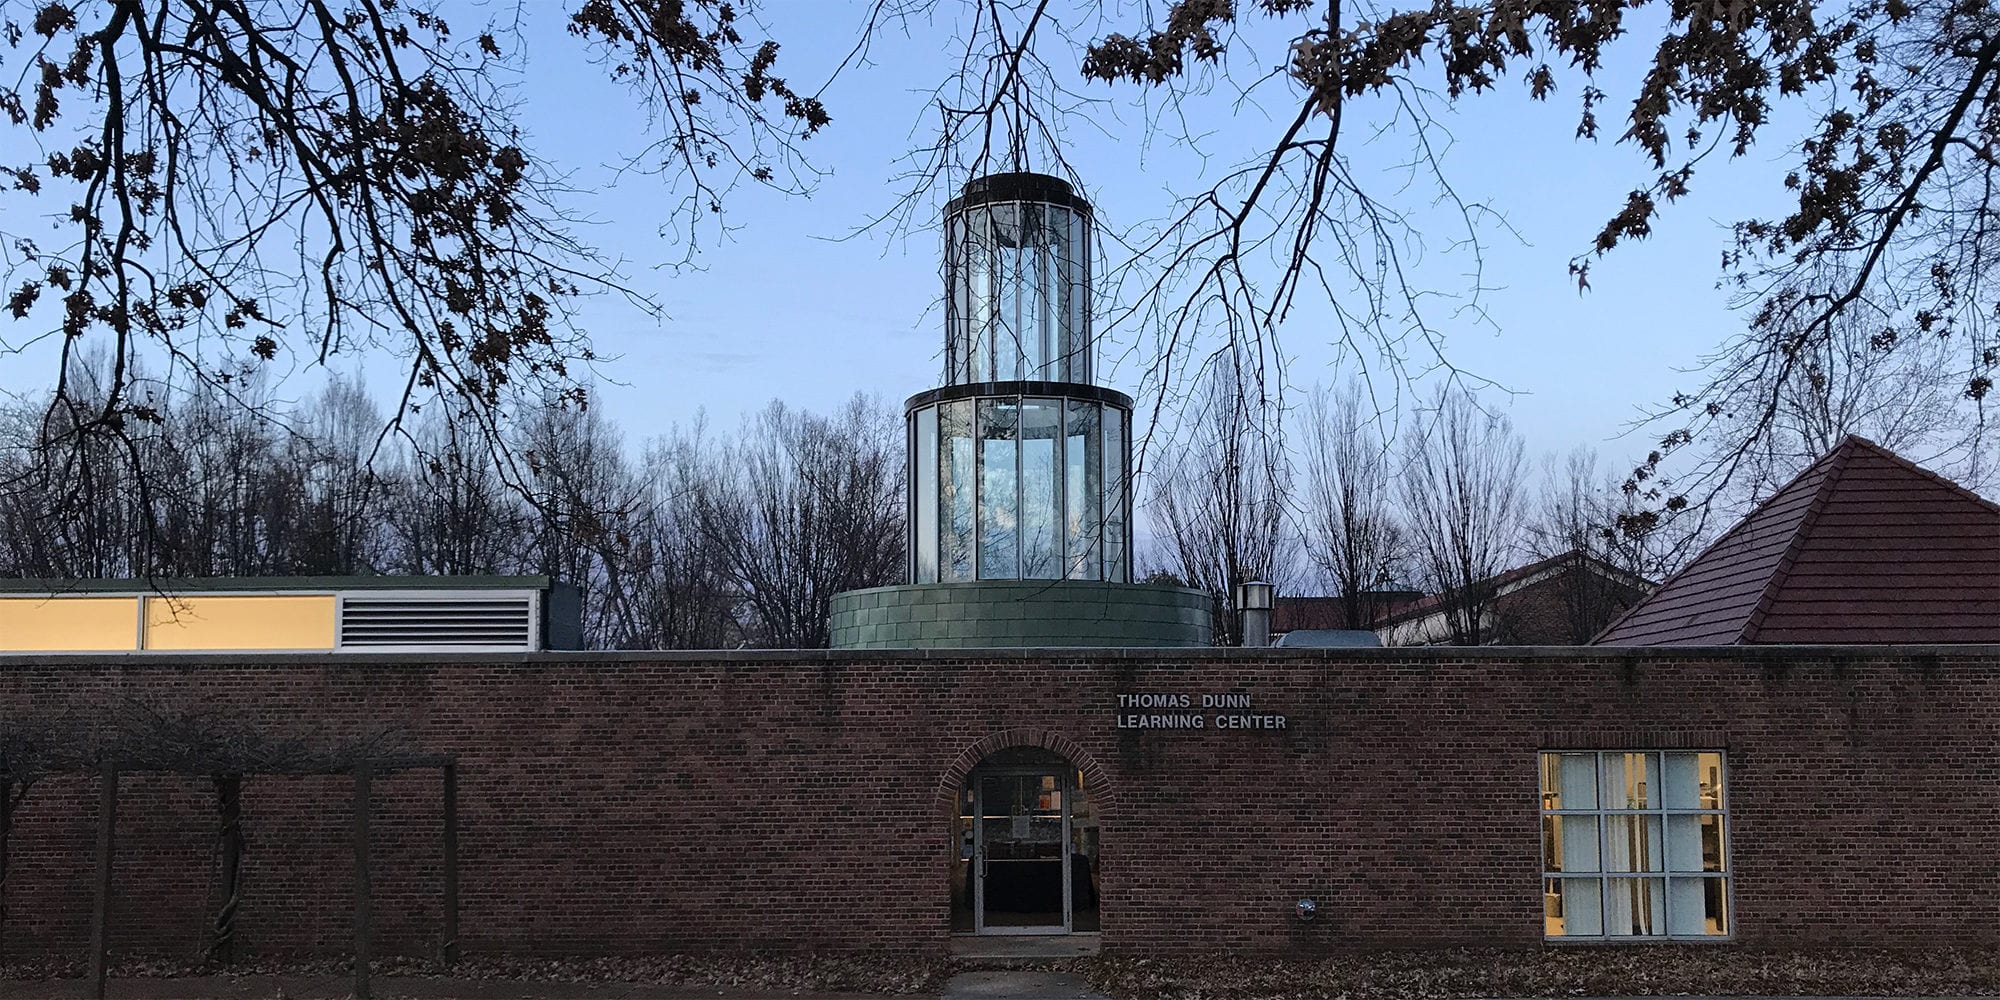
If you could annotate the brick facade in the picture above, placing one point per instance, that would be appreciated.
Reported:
(632, 803)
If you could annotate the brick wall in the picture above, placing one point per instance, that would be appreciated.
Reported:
(625, 803)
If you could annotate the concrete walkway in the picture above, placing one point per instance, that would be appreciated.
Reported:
(988, 985)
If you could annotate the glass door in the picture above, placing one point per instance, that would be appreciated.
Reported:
(1020, 852)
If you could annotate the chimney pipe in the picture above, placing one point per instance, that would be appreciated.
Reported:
(1253, 599)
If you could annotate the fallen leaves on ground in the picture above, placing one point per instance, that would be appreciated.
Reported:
(814, 973)
(1432, 974)
(1642, 970)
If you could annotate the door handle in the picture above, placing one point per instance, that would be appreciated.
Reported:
(982, 862)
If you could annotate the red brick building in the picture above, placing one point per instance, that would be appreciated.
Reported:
(1562, 600)
(643, 803)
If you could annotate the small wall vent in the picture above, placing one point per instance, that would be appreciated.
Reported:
(488, 620)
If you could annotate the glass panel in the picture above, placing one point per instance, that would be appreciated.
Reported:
(1694, 781)
(955, 299)
(1007, 263)
(1082, 460)
(1569, 844)
(1116, 563)
(1697, 907)
(1041, 489)
(1076, 303)
(1082, 860)
(1569, 781)
(925, 475)
(1021, 829)
(979, 280)
(1572, 907)
(1036, 347)
(1632, 844)
(1630, 780)
(955, 452)
(1635, 907)
(1709, 766)
(999, 490)
(1694, 843)
(961, 872)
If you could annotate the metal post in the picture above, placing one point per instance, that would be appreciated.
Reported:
(361, 882)
(100, 917)
(450, 950)
(1254, 600)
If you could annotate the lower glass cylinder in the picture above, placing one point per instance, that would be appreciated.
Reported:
(1032, 485)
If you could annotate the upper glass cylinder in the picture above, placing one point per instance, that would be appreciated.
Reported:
(1017, 281)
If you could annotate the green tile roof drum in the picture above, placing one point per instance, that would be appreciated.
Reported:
(1020, 613)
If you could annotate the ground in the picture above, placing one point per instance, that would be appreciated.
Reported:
(1643, 970)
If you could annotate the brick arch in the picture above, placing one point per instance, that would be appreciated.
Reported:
(1097, 783)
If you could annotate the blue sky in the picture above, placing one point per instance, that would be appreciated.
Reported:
(781, 308)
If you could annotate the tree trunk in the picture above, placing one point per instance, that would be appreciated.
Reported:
(229, 806)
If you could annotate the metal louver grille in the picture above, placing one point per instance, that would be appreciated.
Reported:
(433, 622)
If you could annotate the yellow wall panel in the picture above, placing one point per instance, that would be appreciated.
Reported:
(68, 624)
(240, 622)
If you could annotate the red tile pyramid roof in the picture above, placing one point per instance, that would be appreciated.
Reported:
(1863, 547)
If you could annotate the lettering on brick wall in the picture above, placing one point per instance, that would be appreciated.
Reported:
(1193, 711)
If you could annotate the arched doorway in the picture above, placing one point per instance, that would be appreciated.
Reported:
(1027, 847)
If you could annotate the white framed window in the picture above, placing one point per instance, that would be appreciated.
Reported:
(1634, 845)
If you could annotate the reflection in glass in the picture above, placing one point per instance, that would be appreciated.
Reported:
(955, 446)
(1019, 483)
(1082, 489)
(1115, 564)
(1017, 274)
(925, 483)
(1041, 489)
(999, 489)
(1004, 245)
(1077, 355)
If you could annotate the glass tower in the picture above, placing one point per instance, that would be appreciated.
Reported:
(1018, 464)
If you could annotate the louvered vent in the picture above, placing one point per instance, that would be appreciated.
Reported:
(483, 621)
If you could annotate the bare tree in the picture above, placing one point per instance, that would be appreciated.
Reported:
(230, 182)
(587, 506)
(1220, 501)
(815, 507)
(451, 513)
(674, 588)
(1858, 380)
(1575, 523)
(1349, 521)
(1462, 491)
